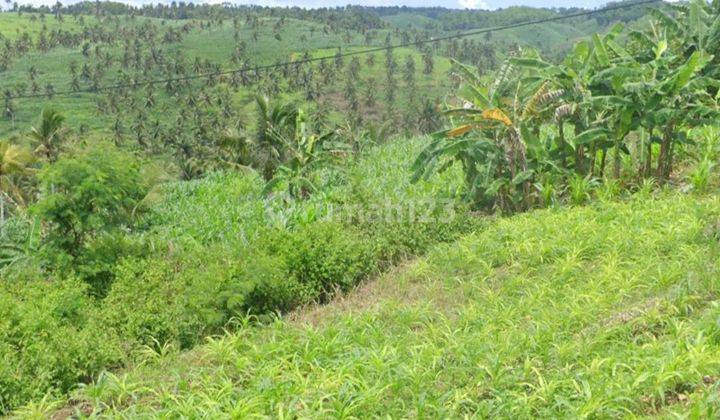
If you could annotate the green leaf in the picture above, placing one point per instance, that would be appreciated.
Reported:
(600, 51)
(591, 135)
(660, 48)
(614, 31)
(468, 71)
(643, 39)
(665, 19)
(713, 34)
(619, 50)
(532, 63)
(581, 51)
(611, 100)
(623, 72)
(695, 63)
(523, 176)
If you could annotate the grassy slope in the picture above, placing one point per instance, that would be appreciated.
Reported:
(217, 44)
(598, 311)
(11, 25)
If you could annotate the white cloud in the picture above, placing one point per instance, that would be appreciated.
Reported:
(473, 4)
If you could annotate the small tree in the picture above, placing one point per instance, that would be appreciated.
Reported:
(85, 199)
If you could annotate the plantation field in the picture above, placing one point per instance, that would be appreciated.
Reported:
(608, 310)
(215, 44)
(12, 25)
(266, 42)
(229, 211)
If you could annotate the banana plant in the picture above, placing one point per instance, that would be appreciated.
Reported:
(486, 139)
(307, 150)
(673, 89)
(569, 86)
(653, 85)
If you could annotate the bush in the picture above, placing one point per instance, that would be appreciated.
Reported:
(260, 285)
(186, 297)
(49, 339)
(83, 198)
(324, 257)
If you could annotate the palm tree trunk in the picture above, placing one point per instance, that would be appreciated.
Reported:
(665, 153)
(648, 157)
(561, 141)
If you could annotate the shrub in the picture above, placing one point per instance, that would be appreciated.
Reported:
(84, 197)
(185, 297)
(49, 339)
(324, 257)
(261, 284)
(143, 301)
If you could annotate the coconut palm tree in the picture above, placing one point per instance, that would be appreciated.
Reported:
(273, 122)
(48, 134)
(14, 160)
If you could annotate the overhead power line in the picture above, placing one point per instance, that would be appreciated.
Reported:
(256, 69)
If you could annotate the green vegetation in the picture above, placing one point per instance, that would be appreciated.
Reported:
(601, 311)
(536, 121)
(43, 51)
(169, 228)
(181, 277)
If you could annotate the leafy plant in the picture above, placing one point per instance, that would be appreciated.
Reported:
(15, 162)
(580, 189)
(700, 175)
(85, 200)
(306, 151)
(488, 142)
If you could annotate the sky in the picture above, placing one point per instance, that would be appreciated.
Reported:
(455, 4)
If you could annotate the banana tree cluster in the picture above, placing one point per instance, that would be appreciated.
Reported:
(629, 97)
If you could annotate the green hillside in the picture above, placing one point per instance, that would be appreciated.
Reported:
(266, 41)
(213, 211)
(603, 311)
(215, 44)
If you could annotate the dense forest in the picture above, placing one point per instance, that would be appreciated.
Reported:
(228, 211)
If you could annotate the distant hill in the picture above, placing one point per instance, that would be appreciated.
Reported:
(88, 45)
